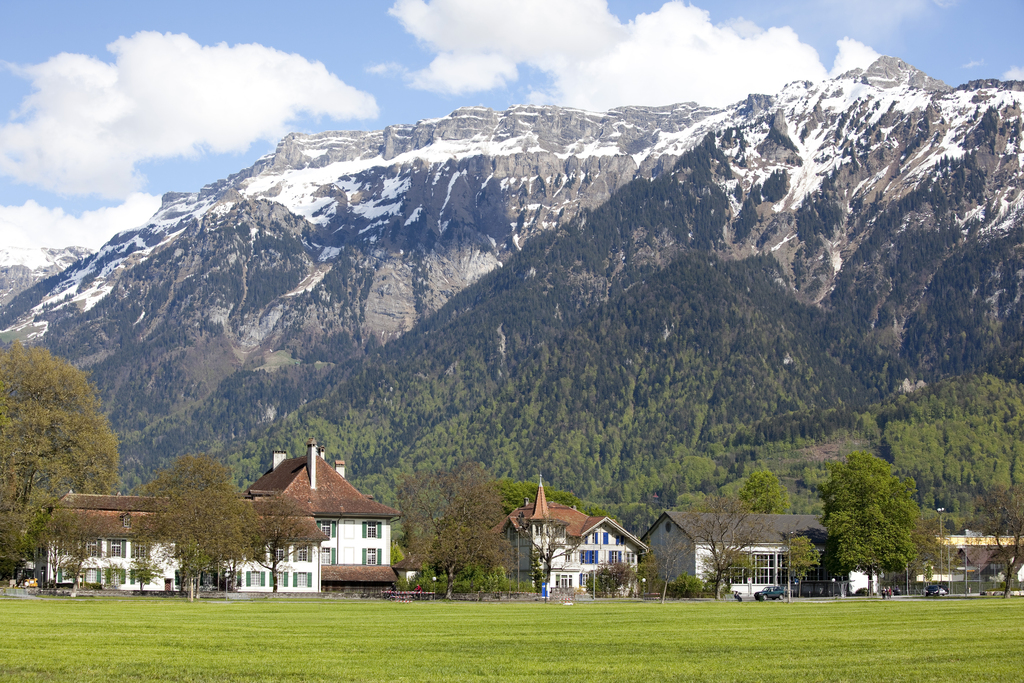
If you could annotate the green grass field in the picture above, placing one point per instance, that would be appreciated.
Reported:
(271, 640)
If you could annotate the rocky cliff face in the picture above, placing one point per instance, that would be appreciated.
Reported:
(341, 240)
(22, 268)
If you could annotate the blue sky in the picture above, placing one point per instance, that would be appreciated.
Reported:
(110, 104)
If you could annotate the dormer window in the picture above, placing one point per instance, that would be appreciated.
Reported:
(126, 521)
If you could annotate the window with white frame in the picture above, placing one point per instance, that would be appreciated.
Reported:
(325, 556)
(614, 556)
(371, 555)
(371, 530)
(630, 558)
(764, 568)
(279, 554)
(300, 580)
(126, 521)
(325, 527)
(302, 553)
(116, 547)
(93, 548)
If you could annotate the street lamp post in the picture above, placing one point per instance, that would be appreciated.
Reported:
(942, 537)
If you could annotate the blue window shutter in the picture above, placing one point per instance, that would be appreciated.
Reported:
(606, 538)
(334, 557)
(364, 549)
(364, 533)
(309, 579)
(334, 529)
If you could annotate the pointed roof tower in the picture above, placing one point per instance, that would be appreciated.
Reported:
(540, 506)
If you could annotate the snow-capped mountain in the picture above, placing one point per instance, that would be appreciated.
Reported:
(340, 240)
(20, 268)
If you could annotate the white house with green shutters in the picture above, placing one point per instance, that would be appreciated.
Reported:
(346, 547)
(356, 551)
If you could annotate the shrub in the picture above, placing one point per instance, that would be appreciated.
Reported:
(686, 586)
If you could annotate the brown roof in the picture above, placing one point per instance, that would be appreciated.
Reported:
(333, 494)
(355, 573)
(577, 523)
(91, 501)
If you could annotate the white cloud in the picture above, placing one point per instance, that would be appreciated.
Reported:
(33, 225)
(88, 123)
(596, 62)
(1015, 73)
(852, 55)
(973, 63)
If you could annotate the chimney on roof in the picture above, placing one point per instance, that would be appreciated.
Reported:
(323, 452)
(339, 465)
(311, 458)
(526, 501)
(279, 457)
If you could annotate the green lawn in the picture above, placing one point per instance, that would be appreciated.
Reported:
(107, 639)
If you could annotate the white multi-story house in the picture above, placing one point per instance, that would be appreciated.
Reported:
(569, 544)
(356, 550)
(346, 545)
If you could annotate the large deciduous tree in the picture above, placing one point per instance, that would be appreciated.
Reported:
(870, 516)
(1002, 517)
(70, 538)
(202, 522)
(53, 438)
(764, 493)
(448, 517)
(724, 530)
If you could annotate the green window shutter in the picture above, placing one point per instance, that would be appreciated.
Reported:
(380, 555)
(334, 529)
(334, 557)
(131, 576)
(248, 579)
(309, 579)
(284, 577)
(364, 533)
(364, 550)
(263, 579)
(59, 577)
(379, 534)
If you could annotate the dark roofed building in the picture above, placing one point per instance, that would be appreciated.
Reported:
(678, 554)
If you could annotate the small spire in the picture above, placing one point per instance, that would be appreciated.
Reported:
(540, 506)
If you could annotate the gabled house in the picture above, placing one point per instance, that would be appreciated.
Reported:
(356, 551)
(677, 553)
(569, 544)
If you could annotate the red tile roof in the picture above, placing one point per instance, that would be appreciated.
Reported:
(333, 494)
(355, 573)
(91, 501)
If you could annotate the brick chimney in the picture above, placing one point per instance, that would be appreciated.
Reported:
(339, 465)
(312, 455)
(279, 457)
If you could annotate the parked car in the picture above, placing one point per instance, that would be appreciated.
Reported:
(30, 583)
(935, 590)
(771, 593)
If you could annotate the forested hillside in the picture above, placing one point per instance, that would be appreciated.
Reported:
(641, 377)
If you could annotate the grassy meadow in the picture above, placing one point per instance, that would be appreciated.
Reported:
(273, 640)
